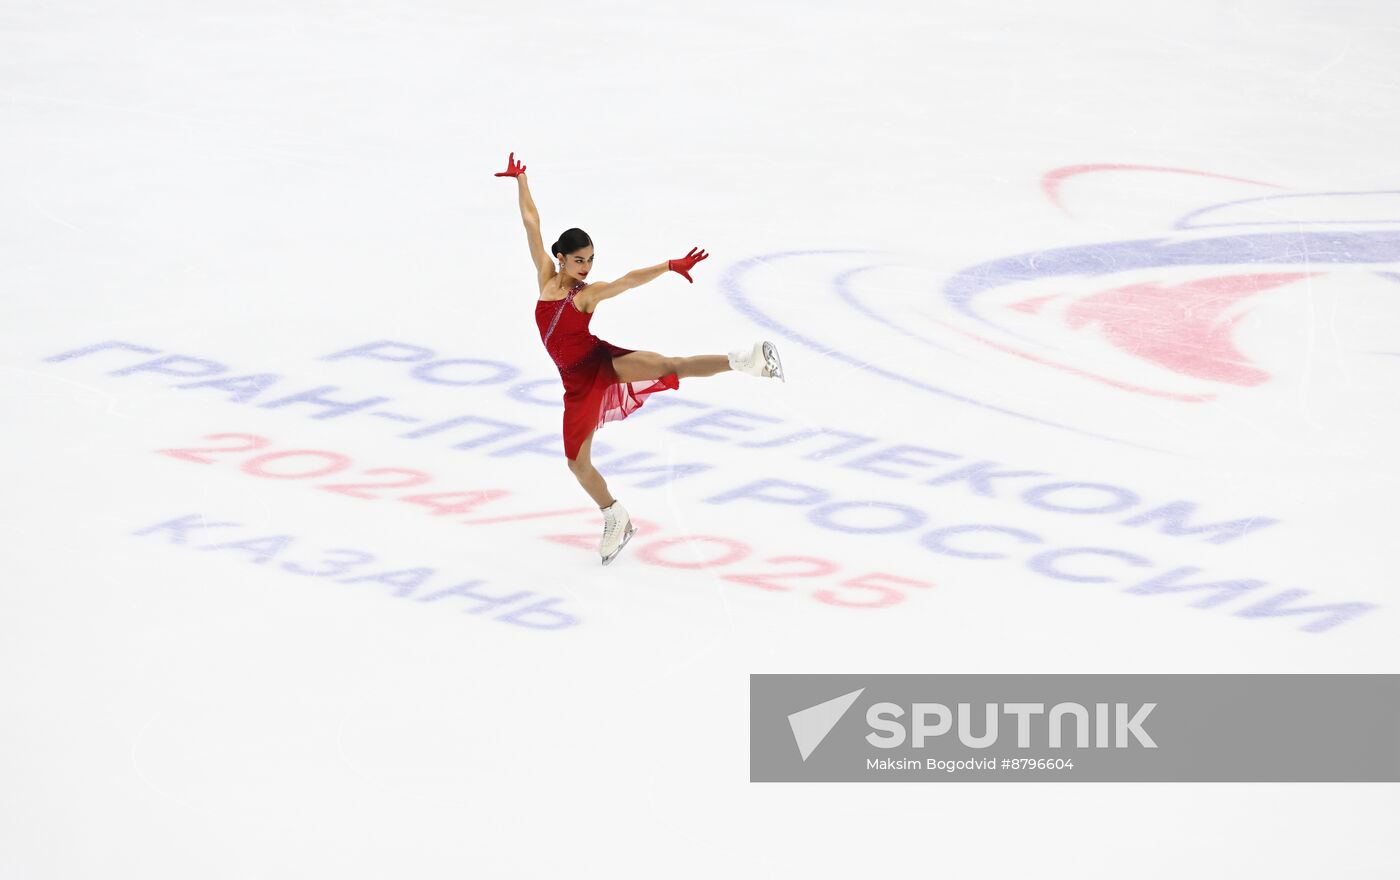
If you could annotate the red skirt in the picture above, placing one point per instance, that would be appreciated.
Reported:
(593, 396)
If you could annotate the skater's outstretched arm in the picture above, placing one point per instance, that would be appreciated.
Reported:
(601, 290)
(637, 277)
(544, 265)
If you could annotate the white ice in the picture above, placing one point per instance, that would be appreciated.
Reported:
(199, 194)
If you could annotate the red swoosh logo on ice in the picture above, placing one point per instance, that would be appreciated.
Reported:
(1183, 327)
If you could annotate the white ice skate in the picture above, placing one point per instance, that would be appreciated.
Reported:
(617, 531)
(761, 361)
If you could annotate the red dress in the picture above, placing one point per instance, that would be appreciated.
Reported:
(592, 393)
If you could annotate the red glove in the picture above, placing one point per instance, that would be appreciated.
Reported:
(513, 168)
(686, 263)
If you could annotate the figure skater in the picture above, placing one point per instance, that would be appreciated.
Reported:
(604, 382)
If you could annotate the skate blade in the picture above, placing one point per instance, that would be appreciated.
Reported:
(775, 364)
(626, 536)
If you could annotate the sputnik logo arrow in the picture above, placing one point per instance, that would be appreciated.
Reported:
(811, 725)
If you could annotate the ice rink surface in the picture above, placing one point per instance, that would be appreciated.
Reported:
(1091, 320)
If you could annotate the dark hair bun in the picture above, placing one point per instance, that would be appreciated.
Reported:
(573, 239)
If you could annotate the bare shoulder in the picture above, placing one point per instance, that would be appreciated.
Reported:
(546, 278)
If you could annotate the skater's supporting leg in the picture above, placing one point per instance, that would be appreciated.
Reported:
(589, 477)
(639, 366)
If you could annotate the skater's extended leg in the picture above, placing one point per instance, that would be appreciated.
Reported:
(588, 476)
(638, 366)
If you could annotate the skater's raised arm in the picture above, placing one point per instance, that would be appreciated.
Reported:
(544, 265)
(637, 277)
